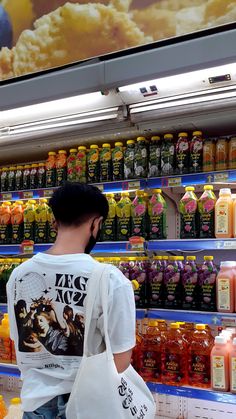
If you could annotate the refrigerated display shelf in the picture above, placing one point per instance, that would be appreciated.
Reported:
(211, 318)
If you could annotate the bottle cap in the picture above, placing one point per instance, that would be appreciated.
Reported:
(191, 258)
(189, 189)
(12, 168)
(139, 193)
(118, 144)
(27, 166)
(19, 202)
(225, 191)
(124, 194)
(106, 145)
(141, 139)
(82, 147)
(74, 150)
(158, 257)
(174, 326)
(52, 153)
(168, 137)
(208, 258)
(161, 321)
(165, 257)
(110, 195)
(221, 340)
(153, 323)
(41, 164)
(44, 200)
(155, 138)
(16, 400)
(208, 188)
(62, 152)
(4, 168)
(197, 133)
(130, 142)
(180, 258)
(19, 167)
(200, 326)
(173, 257)
(135, 284)
(32, 201)
(157, 190)
(34, 165)
(182, 134)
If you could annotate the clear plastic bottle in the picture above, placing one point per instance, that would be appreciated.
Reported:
(225, 287)
(15, 409)
(220, 364)
(224, 215)
(199, 368)
(129, 154)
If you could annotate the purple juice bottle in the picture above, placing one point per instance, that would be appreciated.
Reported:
(139, 272)
(172, 282)
(189, 283)
(124, 267)
(156, 282)
(207, 285)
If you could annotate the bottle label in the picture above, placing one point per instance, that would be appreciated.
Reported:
(173, 368)
(222, 218)
(154, 160)
(5, 349)
(108, 229)
(41, 232)
(218, 372)
(233, 374)
(29, 231)
(200, 371)
(17, 233)
(224, 294)
(123, 228)
(150, 365)
(118, 163)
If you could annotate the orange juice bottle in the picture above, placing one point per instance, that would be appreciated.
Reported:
(224, 215)
(5, 342)
(199, 364)
(232, 153)
(17, 220)
(220, 364)
(232, 367)
(225, 287)
(150, 353)
(3, 409)
(209, 148)
(234, 218)
(5, 223)
(174, 357)
(221, 154)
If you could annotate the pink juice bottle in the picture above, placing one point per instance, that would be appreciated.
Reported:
(172, 283)
(188, 214)
(139, 215)
(207, 285)
(189, 283)
(220, 364)
(156, 281)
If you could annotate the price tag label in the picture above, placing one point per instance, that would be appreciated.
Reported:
(228, 321)
(229, 244)
(48, 193)
(174, 181)
(6, 196)
(28, 194)
(136, 244)
(221, 177)
(134, 185)
(28, 249)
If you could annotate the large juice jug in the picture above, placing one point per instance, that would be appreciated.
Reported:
(207, 285)
(220, 365)
(188, 214)
(106, 163)
(174, 357)
(3, 408)
(157, 210)
(123, 213)
(156, 281)
(232, 367)
(154, 156)
(41, 221)
(17, 221)
(51, 170)
(81, 164)
(61, 167)
(189, 283)
(206, 210)
(138, 215)
(5, 223)
(151, 353)
(51, 228)
(29, 220)
(224, 215)
(199, 363)
(109, 225)
(15, 409)
(172, 284)
(225, 287)
(5, 342)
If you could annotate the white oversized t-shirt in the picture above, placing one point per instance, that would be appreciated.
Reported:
(46, 298)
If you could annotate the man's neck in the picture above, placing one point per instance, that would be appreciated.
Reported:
(68, 242)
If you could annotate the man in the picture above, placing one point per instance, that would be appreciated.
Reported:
(51, 282)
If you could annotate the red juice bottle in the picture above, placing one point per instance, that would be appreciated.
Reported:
(150, 353)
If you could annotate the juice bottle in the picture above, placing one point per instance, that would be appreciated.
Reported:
(196, 152)
(12, 178)
(224, 215)
(232, 367)
(199, 364)
(172, 284)
(71, 165)
(135, 360)
(220, 365)
(26, 177)
(81, 164)
(234, 218)
(41, 221)
(4, 179)
(221, 154)
(3, 409)
(118, 161)
(124, 267)
(61, 167)
(207, 285)
(13, 353)
(15, 409)
(34, 176)
(123, 213)
(209, 149)
(232, 153)
(151, 353)
(5, 343)
(225, 287)
(167, 155)
(106, 163)
(188, 214)
(157, 210)
(182, 153)
(51, 228)
(17, 222)
(109, 225)
(5, 223)
(156, 281)
(129, 154)
(190, 283)
(29, 220)
(206, 210)
(154, 156)
(138, 215)
(174, 357)
(19, 178)
(51, 170)
(41, 175)
(139, 273)
(141, 158)
(93, 164)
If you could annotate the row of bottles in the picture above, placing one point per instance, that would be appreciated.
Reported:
(6, 268)
(26, 221)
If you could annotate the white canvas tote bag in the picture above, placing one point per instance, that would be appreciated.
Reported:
(99, 391)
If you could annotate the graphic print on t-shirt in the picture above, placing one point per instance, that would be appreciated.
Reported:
(50, 317)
